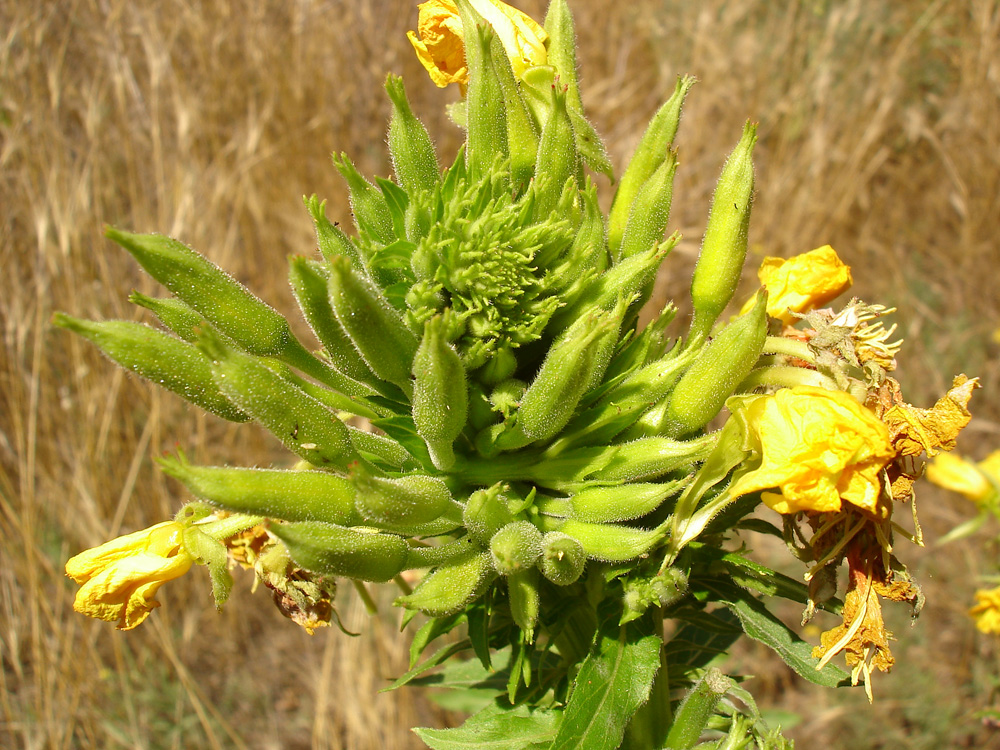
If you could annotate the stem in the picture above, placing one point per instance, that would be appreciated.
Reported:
(789, 348)
(224, 528)
(370, 605)
(651, 724)
(784, 376)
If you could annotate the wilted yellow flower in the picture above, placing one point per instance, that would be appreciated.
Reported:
(817, 447)
(986, 613)
(441, 43)
(119, 579)
(804, 282)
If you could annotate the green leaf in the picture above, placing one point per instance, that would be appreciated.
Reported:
(496, 727)
(702, 637)
(613, 682)
(432, 629)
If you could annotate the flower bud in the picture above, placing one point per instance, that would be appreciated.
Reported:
(563, 558)
(374, 326)
(408, 500)
(621, 502)
(486, 120)
(330, 239)
(160, 358)
(651, 457)
(284, 495)
(485, 513)
(724, 248)
(368, 204)
(172, 313)
(440, 394)
(326, 549)
(413, 157)
(522, 595)
(611, 543)
(647, 221)
(450, 587)
(557, 151)
(516, 547)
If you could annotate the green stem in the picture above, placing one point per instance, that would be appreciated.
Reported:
(370, 606)
(224, 528)
(785, 376)
(789, 348)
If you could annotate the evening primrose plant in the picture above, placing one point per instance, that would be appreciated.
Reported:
(557, 493)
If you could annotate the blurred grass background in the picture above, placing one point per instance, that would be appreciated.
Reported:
(208, 120)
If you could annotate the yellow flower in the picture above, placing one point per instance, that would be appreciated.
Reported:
(119, 579)
(803, 283)
(965, 477)
(986, 613)
(818, 447)
(441, 44)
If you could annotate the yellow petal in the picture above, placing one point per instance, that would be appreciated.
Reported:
(803, 282)
(958, 475)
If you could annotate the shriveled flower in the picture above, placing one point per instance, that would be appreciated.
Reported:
(440, 45)
(119, 579)
(803, 282)
(986, 612)
(818, 447)
(962, 476)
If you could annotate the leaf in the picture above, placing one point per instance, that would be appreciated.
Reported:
(614, 680)
(497, 727)
(432, 629)
(702, 637)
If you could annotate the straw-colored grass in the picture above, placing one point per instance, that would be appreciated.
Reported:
(880, 134)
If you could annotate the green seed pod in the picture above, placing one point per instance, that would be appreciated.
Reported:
(557, 151)
(371, 211)
(302, 423)
(648, 157)
(413, 499)
(651, 457)
(650, 212)
(173, 313)
(413, 157)
(702, 390)
(449, 588)
(724, 248)
(563, 558)
(522, 593)
(611, 543)
(284, 495)
(485, 513)
(486, 120)
(440, 393)
(515, 547)
(159, 357)
(621, 502)
(329, 237)
(331, 550)
(373, 325)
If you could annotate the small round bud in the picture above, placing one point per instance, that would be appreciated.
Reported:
(563, 558)
(516, 547)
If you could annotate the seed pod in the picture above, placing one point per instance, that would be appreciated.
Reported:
(522, 593)
(722, 365)
(373, 325)
(440, 394)
(302, 423)
(413, 499)
(486, 118)
(413, 157)
(621, 502)
(159, 357)
(557, 151)
(515, 547)
(329, 237)
(485, 513)
(651, 457)
(724, 248)
(563, 558)
(173, 313)
(284, 495)
(611, 543)
(371, 211)
(650, 212)
(648, 157)
(449, 588)
(330, 550)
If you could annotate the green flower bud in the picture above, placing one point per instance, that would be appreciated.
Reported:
(331, 550)
(702, 390)
(173, 313)
(285, 495)
(651, 457)
(516, 547)
(561, 49)
(563, 558)
(648, 156)
(413, 157)
(661, 590)
(371, 210)
(440, 394)
(724, 248)
(522, 593)
(697, 708)
(557, 151)
(159, 357)
(621, 502)
(380, 449)
(522, 132)
(450, 587)
(650, 212)
(302, 423)
(608, 542)
(485, 513)
(329, 237)
(373, 325)
(413, 499)
(486, 117)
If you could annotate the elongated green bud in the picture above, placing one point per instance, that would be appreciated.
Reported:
(331, 550)
(440, 394)
(284, 495)
(173, 313)
(650, 212)
(330, 239)
(522, 133)
(692, 717)
(413, 499)
(174, 364)
(557, 151)
(303, 424)
(725, 362)
(621, 502)
(450, 587)
(724, 248)
(371, 211)
(608, 542)
(486, 118)
(525, 602)
(382, 450)
(563, 558)
(413, 157)
(651, 457)
(561, 49)
(648, 156)
(374, 326)
(515, 547)
(485, 513)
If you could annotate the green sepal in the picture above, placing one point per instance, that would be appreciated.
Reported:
(329, 237)
(326, 549)
(449, 588)
(173, 313)
(650, 213)
(212, 554)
